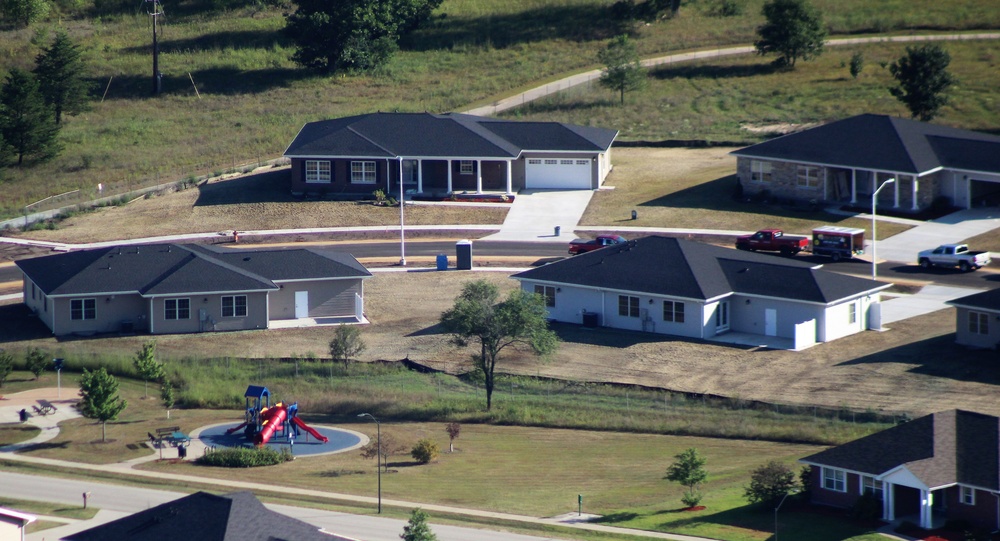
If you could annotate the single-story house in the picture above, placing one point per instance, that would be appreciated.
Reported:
(847, 160)
(942, 466)
(206, 517)
(13, 523)
(685, 288)
(185, 288)
(444, 154)
(977, 319)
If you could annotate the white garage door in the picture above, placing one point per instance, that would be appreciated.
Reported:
(557, 174)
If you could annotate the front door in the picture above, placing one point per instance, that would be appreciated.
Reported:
(722, 317)
(301, 304)
(770, 322)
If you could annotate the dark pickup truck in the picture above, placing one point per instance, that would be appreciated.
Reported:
(581, 246)
(772, 240)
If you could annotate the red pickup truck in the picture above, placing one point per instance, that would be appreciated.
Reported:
(772, 240)
(581, 246)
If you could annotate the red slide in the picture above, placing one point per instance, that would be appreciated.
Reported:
(310, 430)
(273, 418)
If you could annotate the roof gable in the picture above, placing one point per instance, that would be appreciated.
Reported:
(673, 267)
(884, 143)
(986, 300)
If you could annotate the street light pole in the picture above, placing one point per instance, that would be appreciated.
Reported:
(874, 221)
(787, 494)
(378, 455)
(402, 203)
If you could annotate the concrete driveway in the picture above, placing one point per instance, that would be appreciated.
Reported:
(930, 298)
(534, 215)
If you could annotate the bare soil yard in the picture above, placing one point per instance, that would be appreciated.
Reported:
(913, 368)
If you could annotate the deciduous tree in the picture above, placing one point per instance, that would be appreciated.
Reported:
(769, 483)
(100, 399)
(923, 77)
(453, 430)
(688, 470)
(519, 321)
(352, 34)
(60, 71)
(26, 122)
(146, 365)
(36, 361)
(793, 29)
(388, 447)
(6, 366)
(25, 12)
(622, 71)
(417, 528)
(347, 343)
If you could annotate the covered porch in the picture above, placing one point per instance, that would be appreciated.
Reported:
(905, 193)
(434, 176)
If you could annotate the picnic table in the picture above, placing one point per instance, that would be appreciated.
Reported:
(44, 407)
(172, 436)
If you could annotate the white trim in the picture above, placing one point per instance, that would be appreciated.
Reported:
(177, 309)
(324, 279)
(961, 495)
(83, 309)
(834, 471)
(222, 306)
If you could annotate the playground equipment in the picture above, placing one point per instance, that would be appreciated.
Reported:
(262, 421)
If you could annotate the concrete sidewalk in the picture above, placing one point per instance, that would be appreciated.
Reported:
(930, 298)
(952, 228)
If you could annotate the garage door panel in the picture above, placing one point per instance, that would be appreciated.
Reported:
(549, 173)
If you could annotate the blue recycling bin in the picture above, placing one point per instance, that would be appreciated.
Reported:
(442, 262)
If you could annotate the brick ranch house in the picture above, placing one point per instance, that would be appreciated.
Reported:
(442, 154)
(846, 161)
(186, 288)
(944, 466)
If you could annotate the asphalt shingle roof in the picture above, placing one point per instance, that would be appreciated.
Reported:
(163, 269)
(884, 143)
(953, 446)
(206, 517)
(986, 300)
(682, 268)
(390, 135)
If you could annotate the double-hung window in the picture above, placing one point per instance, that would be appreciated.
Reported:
(834, 479)
(363, 172)
(979, 322)
(466, 167)
(628, 306)
(317, 171)
(852, 313)
(673, 311)
(871, 486)
(234, 306)
(967, 495)
(82, 309)
(549, 292)
(760, 171)
(807, 176)
(177, 309)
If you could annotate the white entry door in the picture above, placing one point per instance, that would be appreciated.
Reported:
(301, 304)
(722, 317)
(770, 322)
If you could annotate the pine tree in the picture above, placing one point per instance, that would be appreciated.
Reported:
(60, 77)
(100, 399)
(622, 69)
(417, 528)
(26, 123)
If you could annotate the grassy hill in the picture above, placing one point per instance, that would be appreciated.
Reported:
(251, 99)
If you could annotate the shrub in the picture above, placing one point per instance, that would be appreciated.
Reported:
(424, 451)
(36, 361)
(769, 483)
(691, 498)
(867, 507)
(244, 457)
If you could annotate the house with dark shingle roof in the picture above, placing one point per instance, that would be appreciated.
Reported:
(185, 288)
(442, 154)
(847, 160)
(206, 517)
(945, 466)
(685, 288)
(977, 319)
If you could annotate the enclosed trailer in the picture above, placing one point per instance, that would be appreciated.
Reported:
(838, 242)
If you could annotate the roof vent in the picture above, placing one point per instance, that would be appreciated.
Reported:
(247, 258)
(745, 269)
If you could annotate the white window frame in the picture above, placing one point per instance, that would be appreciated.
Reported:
(83, 309)
(173, 308)
(852, 313)
(872, 485)
(979, 322)
(466, 167)
(363, 172)
(549, 293)
(628, 306)
(673, 311)
(535, 161)
(834, 479)
(234, 308)
(583, 162)
(761, 172)
(318, 172)
(551, 162)
(967, 495)
(807, 176)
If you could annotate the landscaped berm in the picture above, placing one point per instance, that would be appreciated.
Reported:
(278, 426)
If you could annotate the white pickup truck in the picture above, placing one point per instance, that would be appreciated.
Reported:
(953, 255)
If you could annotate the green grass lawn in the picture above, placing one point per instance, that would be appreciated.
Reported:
(253, 99)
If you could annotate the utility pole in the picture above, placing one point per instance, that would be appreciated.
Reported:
(155, 12)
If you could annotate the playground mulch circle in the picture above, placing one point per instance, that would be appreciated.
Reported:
(340, 440)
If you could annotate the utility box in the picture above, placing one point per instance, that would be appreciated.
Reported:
(463, 254)
(591, 319)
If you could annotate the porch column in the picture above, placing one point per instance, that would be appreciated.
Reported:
(888, 501)
(420, 175)
(479, 176)
(916, 186)
(926, 503)
(854, 186)
(449, 177)
(510, 177)
(895, 192)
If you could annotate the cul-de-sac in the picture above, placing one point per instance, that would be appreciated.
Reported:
(461, 270)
